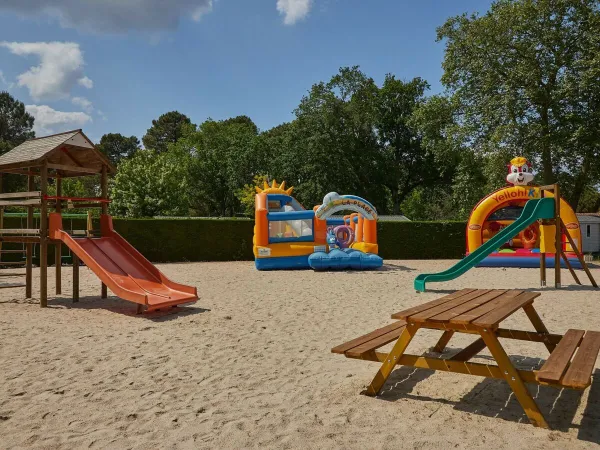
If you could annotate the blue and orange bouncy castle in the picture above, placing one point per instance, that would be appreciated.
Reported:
(287, 236)
(502, 207)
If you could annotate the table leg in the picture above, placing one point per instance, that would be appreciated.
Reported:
(392, 358)
(514, 380)
(468, 352)
(441, 344)
(537, 323)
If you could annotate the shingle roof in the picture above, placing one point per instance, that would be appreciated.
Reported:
(64, 153)
(34, 149)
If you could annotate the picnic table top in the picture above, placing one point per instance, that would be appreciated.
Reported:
(480, 308)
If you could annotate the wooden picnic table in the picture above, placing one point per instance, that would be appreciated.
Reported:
(480, 312)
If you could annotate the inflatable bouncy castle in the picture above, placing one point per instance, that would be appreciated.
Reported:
(502, 207)
(287, 236)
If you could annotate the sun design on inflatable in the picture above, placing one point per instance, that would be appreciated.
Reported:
(275, 189)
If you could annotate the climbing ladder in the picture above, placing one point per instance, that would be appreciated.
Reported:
(3, 263)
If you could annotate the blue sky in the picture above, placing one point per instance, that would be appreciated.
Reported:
(81, 63)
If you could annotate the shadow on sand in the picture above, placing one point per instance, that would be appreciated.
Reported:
(494, 398)
(116, 305)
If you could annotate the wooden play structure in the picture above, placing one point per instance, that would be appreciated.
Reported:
(118, 265)
(479, 312)
(551, 241)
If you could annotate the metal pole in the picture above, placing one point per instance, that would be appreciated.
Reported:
(557, 282)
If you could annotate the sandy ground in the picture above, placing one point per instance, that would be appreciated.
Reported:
(250, 366)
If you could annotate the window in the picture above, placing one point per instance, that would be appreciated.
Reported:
(290, 231)
(588, 230)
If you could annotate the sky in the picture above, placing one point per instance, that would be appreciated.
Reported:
(112, 66)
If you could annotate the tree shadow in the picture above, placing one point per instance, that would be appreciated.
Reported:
(389, 267)
(117, 305)
(494, 398)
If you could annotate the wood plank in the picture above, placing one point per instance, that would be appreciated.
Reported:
(73, 168)
(19, 231)
(498, 314)
(556, 364)
(468, 306)
(12, 263)
(12, 285)
(375, 343)
(579, 373)
(32, 202)
(469, 351)
(342, 348)
(416, 309)
(33, 194)
(7, 275)
(467, 317)
(422, 316)
(12, 251)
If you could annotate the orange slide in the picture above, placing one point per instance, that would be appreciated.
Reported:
(122, 268)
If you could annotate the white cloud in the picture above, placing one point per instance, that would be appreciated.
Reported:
(47, 119)
(293, 10)
(113, 16)
(61, 67)
(85, 82)
(102, 115)
(83, 103)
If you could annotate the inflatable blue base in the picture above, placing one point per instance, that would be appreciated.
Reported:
(524, 261)
(344, 259)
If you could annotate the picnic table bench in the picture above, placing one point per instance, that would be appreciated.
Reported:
(480, 312)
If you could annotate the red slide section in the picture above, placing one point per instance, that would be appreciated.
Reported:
(122, 268)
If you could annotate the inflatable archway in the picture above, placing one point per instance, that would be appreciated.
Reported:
(333, 203)
(479, 221)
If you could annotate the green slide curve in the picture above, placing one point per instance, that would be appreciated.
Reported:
(534, 209)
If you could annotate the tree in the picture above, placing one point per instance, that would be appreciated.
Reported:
(223, 157)
(165, 130)
(117, 147)
(525, 77)
(15, 123)
(150, 184)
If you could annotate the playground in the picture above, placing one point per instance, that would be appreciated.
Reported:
(250, 365)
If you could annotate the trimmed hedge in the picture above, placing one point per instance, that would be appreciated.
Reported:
(421, 240)
(180, 240)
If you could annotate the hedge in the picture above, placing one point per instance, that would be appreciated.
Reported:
(181, 240)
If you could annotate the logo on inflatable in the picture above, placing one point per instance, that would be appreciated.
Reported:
(474, 227)
(572, 226)
(519, 172)
(334, 202)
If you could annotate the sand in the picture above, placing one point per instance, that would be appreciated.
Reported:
(249, 366)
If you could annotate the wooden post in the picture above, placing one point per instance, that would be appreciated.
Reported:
(58, 251)
(104, 186)
(557, 282)
(75, 278)
(29, 245)
(44, 237)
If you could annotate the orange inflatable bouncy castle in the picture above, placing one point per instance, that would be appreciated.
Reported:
(502, 207)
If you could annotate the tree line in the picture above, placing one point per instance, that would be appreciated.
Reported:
(521, 79)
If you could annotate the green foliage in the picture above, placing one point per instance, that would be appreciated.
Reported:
(15, 123)
(15, 127)
(167, 129)
(150, 184)
(525, 77)
(224, 155)
(117, 147)
(247, 195)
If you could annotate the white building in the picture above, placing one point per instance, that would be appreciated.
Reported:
(590, 231)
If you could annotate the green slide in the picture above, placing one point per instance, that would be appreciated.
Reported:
(534, 209)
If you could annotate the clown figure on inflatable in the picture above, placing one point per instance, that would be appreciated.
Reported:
(287, 236)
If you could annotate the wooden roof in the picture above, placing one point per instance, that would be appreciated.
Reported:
(68, 154)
